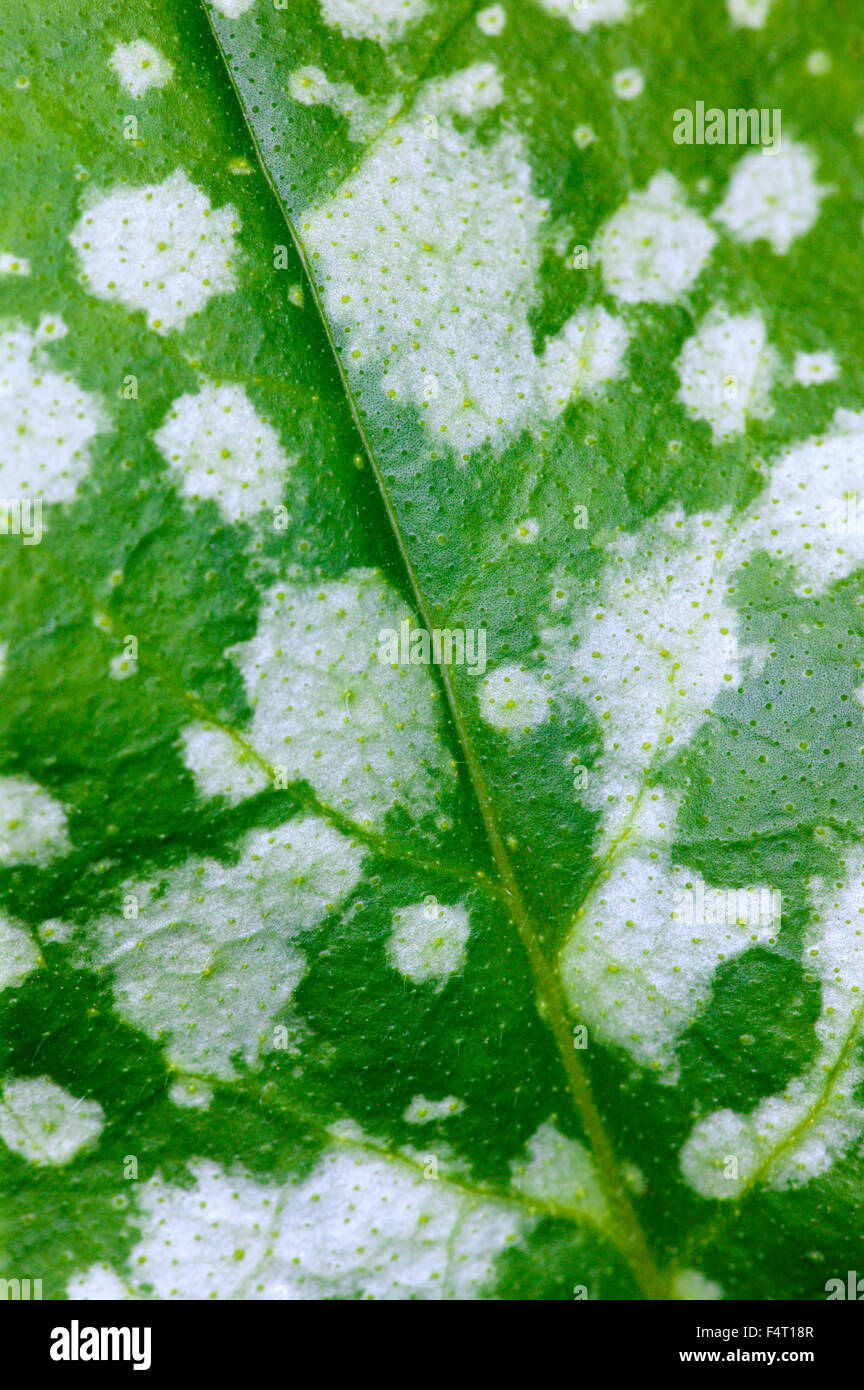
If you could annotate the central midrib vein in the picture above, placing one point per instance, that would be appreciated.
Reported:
(551, 1003)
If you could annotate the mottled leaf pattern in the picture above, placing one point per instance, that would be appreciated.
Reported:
(430, 810)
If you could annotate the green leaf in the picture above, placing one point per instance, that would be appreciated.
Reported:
(430, 837)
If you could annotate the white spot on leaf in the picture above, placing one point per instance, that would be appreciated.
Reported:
(634, 969)
(310, 86)
(45, 1124)
(773, 198)
(47, 422)
(812, 368)
(424, 1112)
(384, 21)
(220, 765)
(693, 1287)
(205, 965)
(588, 352)
(357, 1227)
(32, 823)
(513, 700)
(726, 370)
(428, 259)
(327, 710)
(428, 943)
(582, 15)
(140, 66)
(222, 449)
(13, 265)
(749, 14)
(491, 20)
(560, 1171)
(654, 247)
(122, 667)
(19, 954)
(797, 1135)
(628, 84)
(800, 515)
(650, 653)
(191, 1095)
(233, 9)
(161, 248)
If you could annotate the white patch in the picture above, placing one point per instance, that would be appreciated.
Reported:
(191, 1094)
(98, 1284)
(327, 710)
(423, 1112)
(13, 265)
(628, 84)
(209, 962)
(691, 1286)
(513, 700)
(221, 449)
(583, 15)
(801, 514)
(220, 765)
(384, 21)
(818, 62)
(633, 969)
(161, 248)
(19, 954)
(121, 667)
(310, 86)
(650, 656)
(773, 198)
(428, 258)
(428, 941)
(53, 929)
(749, 14)
(796, 1136)
(727, 370)
(634, 1178)
(45, 1124)
(588, 352)
(812, 368)
(526, 532)
(233, 9)
(561, 1172)
(32, 823)
(140, 66)
(654, 247)
(47, 422)
(652, 652)
(491, 20)
(357, 1227)
(584, 136)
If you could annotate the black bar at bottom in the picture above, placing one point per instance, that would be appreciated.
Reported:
(63, 1339)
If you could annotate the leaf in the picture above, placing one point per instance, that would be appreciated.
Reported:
(430, 848)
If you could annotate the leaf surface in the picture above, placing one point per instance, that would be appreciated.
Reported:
(431, 835)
